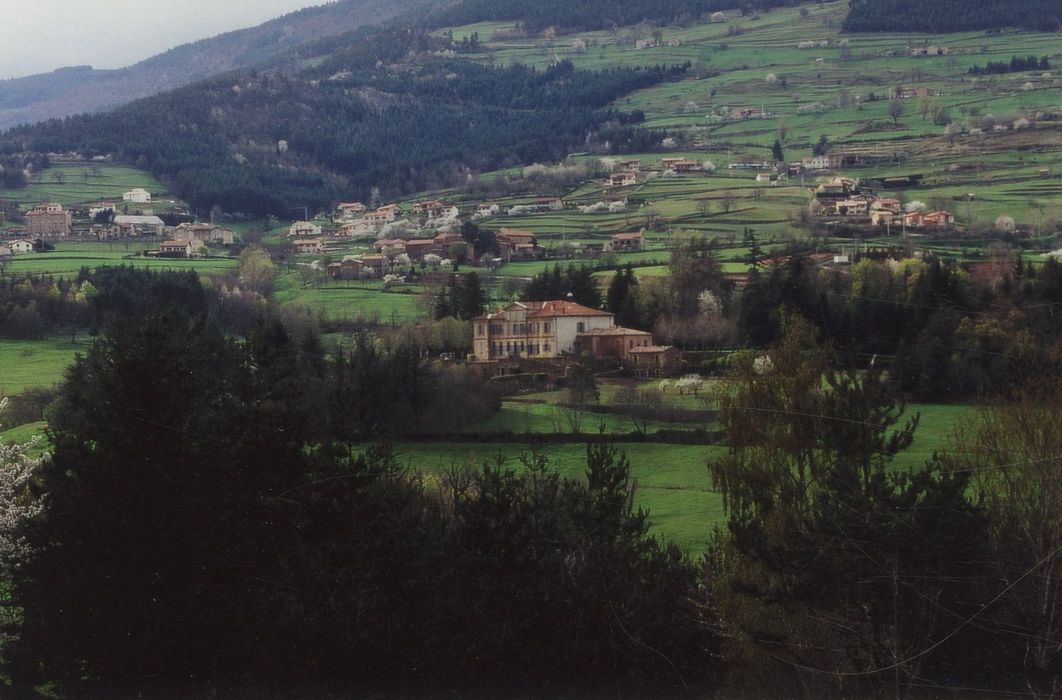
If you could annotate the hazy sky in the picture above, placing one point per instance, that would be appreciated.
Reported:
(38, 36)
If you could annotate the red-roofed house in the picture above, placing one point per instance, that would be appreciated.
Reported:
(543, 329)
(616, 342)
(516, 245)
(628, 241)
(939, 219)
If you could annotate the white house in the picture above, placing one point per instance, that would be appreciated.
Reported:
(137, 195)
(304, 228)
(19, 247)
(308, 246)
(816, 162)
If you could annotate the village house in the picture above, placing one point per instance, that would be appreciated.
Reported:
(348, 211)
(887, 204)
(137, 195)
(928, 50)
(452, 245)
(625, 178)
(680, 165)
(48, 221)
(181, 249)
(308, 246)
(389, 246)
(883, 217)
(20, 247)
(434, 209)
(349, 268)
(304, 228)
(654, 360)
(816, 162)
(907, 93)
(914, 219)
(615, 342)
(837, 188)
(845, 159)
(383, 215)
(101, 207)
(417, 248)
(484, 211)
(627, 241)
(356, 229)
(130, 226)
(374, 265)
(208, 233)
(634, 164)
(938, 219)
(853, 207)
(516, 245)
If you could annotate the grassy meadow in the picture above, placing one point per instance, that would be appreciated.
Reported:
(83, 183)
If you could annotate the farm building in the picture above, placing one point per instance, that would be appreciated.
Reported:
(48, 221)
(180, 249)
(308, 246)
(304, 228)
(131, 226)
(20, 247)
(137, 195)
(516, 245)
(939, 219)
(654, 360)
(348, 211)
(627, 241)
(615, 342)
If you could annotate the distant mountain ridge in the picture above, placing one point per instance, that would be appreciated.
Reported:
(78, 89)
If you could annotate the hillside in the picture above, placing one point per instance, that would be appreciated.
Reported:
(84, 89)
(390, 109)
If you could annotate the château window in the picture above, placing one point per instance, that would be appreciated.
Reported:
(580, 327)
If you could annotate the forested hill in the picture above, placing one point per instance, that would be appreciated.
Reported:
(389, 109)
(591, 14)
(84, 89)
(952, 15)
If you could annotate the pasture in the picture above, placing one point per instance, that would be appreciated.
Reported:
(36, 363)
(84, 183)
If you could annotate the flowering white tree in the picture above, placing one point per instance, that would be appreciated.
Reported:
(691, 383)
(16, 503)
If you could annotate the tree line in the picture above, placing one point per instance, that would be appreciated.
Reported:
(936, 16)
(586, 15)
(1017, 64)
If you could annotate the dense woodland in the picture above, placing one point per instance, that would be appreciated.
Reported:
(952, 15)
(591, 14)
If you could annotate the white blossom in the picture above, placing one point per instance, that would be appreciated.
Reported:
(17, 505)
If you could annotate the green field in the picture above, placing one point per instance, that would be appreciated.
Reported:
(350, 300)
(672, 480)
(78, 183)
(32, 363)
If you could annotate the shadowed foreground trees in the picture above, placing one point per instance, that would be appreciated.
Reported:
(200, 537)
(841, 576)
